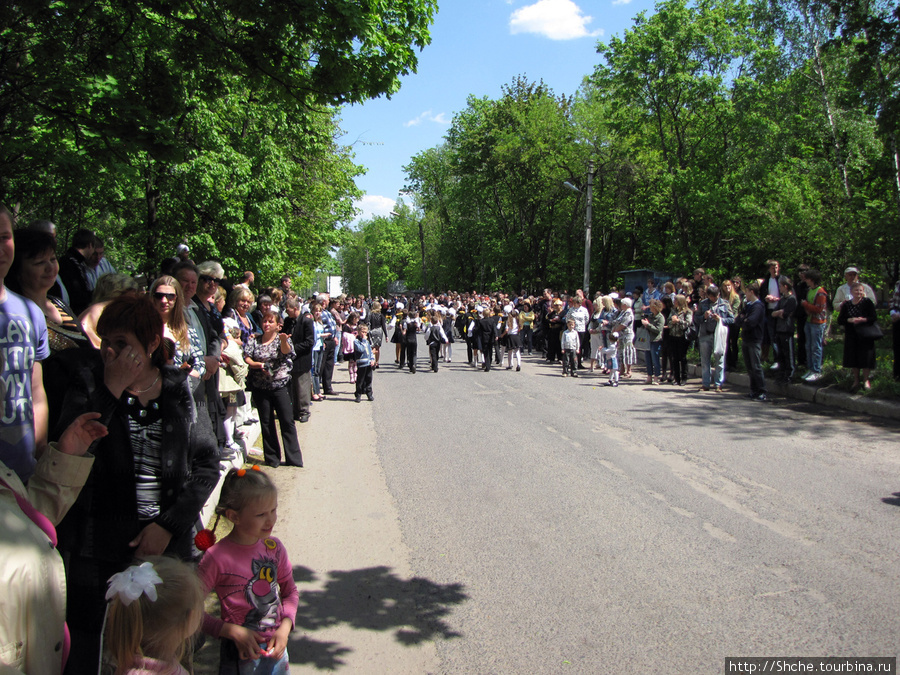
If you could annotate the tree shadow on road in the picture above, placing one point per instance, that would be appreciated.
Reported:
(372, 598)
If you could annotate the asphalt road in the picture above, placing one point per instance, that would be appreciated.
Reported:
(586, 529)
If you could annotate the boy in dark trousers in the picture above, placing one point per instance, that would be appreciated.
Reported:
(410, 340)
(488, 333)
(434, 338)
(784, 317)
(752, 323)
(364, 361)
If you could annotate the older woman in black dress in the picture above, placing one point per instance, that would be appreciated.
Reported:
(859, 349)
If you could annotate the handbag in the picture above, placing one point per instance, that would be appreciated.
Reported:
(642, 339)
(870, 331)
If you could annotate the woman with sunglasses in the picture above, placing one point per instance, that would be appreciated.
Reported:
(181, 342)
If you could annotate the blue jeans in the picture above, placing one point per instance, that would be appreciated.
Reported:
(651, 358)
(264, 666)
(712, 374)
(815, 343)
(317, 372)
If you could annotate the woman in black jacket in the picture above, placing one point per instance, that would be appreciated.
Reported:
(152, 473)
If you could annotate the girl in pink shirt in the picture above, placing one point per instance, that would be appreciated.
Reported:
(250, 572)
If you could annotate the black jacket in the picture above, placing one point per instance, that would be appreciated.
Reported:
(751, 321)
(73, 272)
(104, 517)
(303, 336)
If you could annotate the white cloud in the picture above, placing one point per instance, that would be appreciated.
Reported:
(554, 19)
(427, 116)
(621, 2)
(374, 205)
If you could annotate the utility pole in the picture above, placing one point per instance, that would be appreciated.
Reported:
(368, 277)
(424, 272)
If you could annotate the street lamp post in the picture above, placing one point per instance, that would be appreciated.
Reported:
(422, 244)
(588, 216)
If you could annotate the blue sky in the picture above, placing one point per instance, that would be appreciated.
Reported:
(477, 46)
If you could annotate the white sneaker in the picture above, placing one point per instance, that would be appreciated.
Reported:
(774, 366)
(814, 377)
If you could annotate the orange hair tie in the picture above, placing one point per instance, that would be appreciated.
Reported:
(255, 467)
(241, 472)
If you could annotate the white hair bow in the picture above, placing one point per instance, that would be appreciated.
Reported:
(134, 582)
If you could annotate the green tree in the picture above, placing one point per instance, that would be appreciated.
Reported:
(195, 120)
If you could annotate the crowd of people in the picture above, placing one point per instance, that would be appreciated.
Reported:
(774, 324)
(123, 401)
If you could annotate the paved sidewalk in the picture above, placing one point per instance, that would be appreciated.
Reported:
(825, 396)
(358, 597)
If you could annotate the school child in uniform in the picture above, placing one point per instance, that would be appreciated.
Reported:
(365, 364)
(348, 337)
(250, 572)
(571, 343)
(468, 319)
(397, 336)
(410, 340)
(500, 342)
(154, 608)
(434, 338)
(611, 358)
(513, 331)
(487, 333)
(473, 335)
(447, 319)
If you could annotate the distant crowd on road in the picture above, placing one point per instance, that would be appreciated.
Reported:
(153, 377)
(772, 323)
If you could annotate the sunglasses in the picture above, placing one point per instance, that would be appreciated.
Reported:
(164, 296)
(205, 278)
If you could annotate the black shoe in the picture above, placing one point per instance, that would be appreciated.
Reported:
(518, 368)
(303, 419)
(357, 399)
(371, 398)
(331, 392)
(760, 398)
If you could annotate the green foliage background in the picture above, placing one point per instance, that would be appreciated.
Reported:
(722, 132)
(211, 123)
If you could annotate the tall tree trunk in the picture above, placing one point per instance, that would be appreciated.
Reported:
(821, 82)
(151, 198)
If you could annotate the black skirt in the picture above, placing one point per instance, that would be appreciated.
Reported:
(859, 352)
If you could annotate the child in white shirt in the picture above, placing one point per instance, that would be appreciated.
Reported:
(571, 342)
(611, 357)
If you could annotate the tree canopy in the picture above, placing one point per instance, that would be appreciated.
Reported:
(721, 132)
(215, 123)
